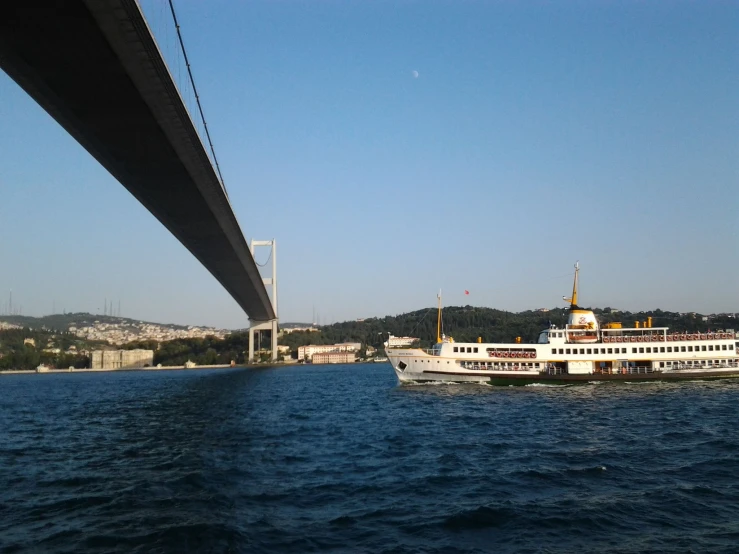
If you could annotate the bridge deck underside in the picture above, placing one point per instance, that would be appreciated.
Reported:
(95, 68)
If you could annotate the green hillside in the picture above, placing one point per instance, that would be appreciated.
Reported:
(466, 323)
(27, 348)
(62, 322)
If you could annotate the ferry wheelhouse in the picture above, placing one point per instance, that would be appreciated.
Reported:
(582, 351)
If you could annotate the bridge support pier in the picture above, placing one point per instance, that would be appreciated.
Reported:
(270, 325)
(272, 283)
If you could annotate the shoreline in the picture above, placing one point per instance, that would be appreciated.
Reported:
(110, 370)
(167, 368)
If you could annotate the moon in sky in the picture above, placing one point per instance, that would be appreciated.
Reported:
(415, 74)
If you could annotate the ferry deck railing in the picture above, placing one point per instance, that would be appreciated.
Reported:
(634, 370)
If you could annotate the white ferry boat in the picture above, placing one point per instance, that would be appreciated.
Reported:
(582, 351)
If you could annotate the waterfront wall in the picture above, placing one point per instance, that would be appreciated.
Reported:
(121, 359)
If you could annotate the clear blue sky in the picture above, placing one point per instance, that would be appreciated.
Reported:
(536, 134)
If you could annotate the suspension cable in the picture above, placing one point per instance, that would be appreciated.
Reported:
(197, 98)
(265, 261)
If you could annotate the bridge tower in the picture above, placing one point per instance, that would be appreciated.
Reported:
(271, 281)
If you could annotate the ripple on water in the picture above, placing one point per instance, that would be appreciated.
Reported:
(341, 458)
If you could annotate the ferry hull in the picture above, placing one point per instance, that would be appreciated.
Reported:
(585, 379)
(566, 379)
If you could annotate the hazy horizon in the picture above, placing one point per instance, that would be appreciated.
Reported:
(359, 318)
(393, 149)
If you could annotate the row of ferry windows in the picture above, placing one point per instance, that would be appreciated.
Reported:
(589, 351)
(641, 349)
(697, 348)
(469, 349)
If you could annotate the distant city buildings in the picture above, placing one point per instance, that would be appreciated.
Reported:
(122, 333)
(121, 359)
(308, 352)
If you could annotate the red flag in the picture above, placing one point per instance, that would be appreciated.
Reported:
(467, 292)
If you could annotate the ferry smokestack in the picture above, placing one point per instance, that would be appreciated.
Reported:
(636, 324)
(649, 321)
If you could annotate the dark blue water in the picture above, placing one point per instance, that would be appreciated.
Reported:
(341, 458)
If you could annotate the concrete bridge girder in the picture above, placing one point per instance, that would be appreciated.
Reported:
(94, 66)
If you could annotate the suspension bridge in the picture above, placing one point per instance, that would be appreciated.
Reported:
(96, 68)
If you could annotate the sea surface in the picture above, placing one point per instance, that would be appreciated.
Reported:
(343, 459)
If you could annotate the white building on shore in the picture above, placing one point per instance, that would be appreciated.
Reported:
(307, 352)
(121, 359)
(394, 342)
(334, 358)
